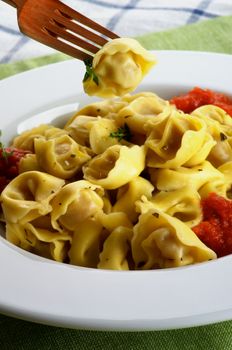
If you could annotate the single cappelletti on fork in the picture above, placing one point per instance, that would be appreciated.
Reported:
(114, 66)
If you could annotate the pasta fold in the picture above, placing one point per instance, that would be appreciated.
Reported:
(117, 250)
(26, 139)
(112, 220)
(184, 204)
(28, 196)
(99, 135)
(46, 243)
(60, 156)
(194, 177)
(75, 203)
(116, 166)
(129, 194)
(219, 125)
(162, 241)
(29, 163)
(141, 109)
(86, 243)
(108, 108)
(179, 140)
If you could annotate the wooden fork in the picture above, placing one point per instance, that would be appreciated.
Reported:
(57, 25)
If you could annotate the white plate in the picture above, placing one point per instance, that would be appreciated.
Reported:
(40, 290)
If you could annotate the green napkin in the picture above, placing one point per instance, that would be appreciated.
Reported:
(213, 35)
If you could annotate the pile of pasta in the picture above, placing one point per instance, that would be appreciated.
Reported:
(120, 185)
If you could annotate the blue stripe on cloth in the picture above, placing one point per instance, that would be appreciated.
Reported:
(9, 30)
(198, 12)
(20, 43)
(204, 4)
(116, 18)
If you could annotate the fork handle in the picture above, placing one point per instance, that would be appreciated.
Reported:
(15, 3)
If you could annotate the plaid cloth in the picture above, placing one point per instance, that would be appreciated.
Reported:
(125, 17)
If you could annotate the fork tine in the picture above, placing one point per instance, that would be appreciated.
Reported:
(64, 34)
(76, 28)
(59, 45)
(66, 10)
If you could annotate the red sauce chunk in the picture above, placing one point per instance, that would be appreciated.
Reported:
(9, 160)
(199, 97)
(216, 228)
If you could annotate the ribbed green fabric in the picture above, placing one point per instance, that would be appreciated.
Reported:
(213, 35)
(22, 335)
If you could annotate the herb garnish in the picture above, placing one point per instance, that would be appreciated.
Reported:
(90, 72)
(4, 153)
(122, 133)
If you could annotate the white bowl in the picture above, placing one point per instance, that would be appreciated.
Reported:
(41, 290)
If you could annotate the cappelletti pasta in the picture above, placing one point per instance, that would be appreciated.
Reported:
(118, 68)
(120, 185)
(130, 197)
(161, 240)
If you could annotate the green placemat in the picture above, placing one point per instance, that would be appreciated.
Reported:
(213, 35)
(21, 335)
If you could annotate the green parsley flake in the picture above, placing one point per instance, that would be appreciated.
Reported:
(4, 153)
(122, 133)
(90, 74)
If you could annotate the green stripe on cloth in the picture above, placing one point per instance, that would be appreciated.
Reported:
(7, 70)
(215, 36)
(212, 35)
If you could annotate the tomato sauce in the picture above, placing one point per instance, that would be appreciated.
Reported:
(199, 97)
(215, 230)
(9, 160)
